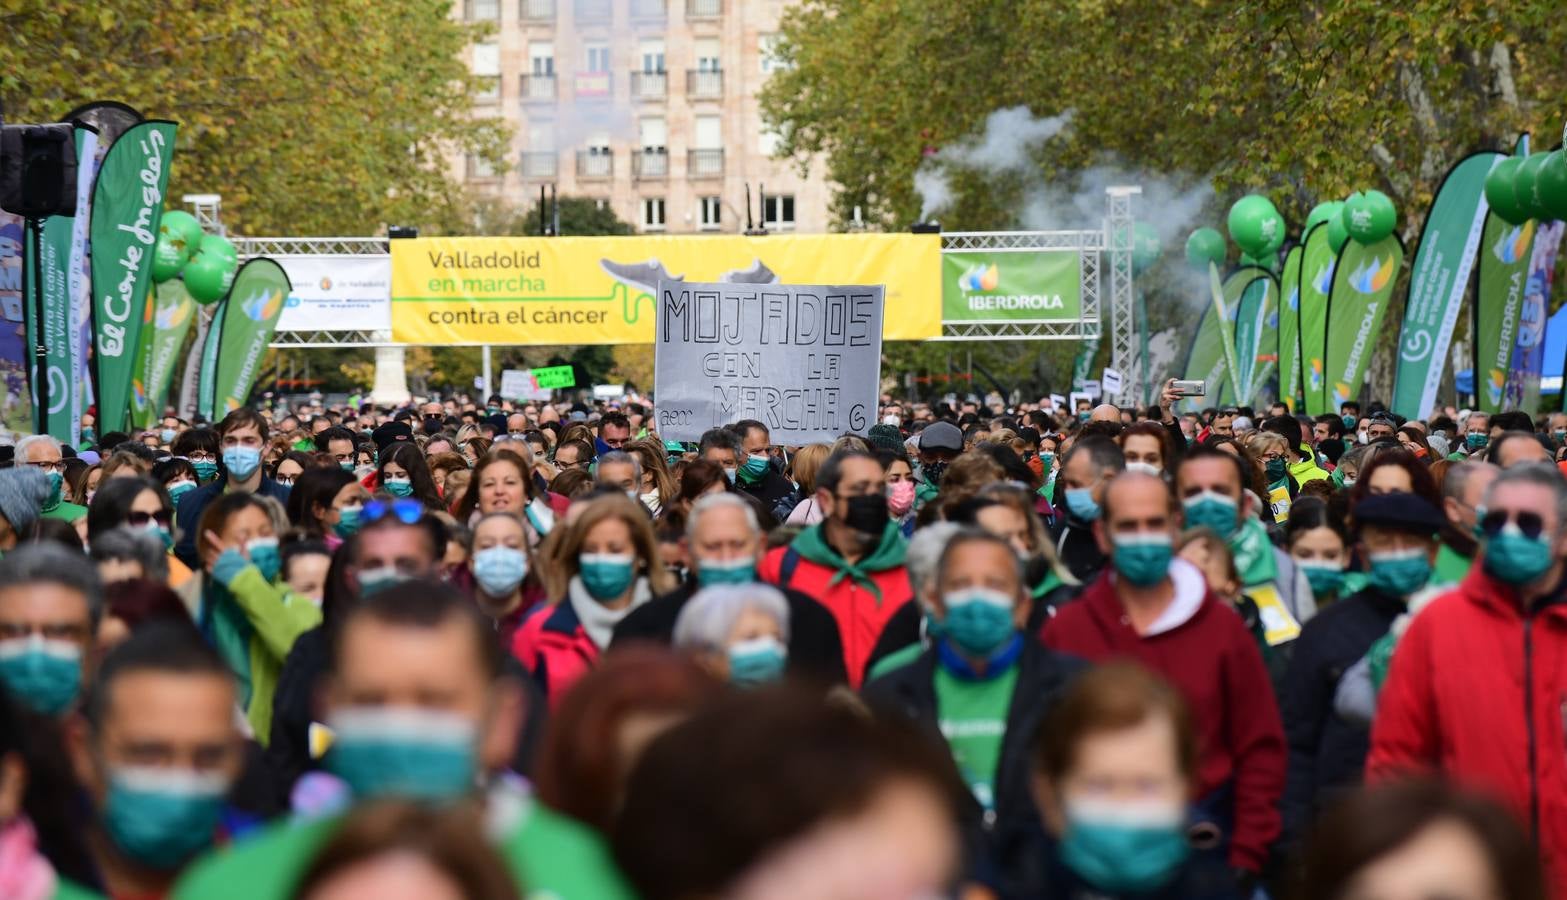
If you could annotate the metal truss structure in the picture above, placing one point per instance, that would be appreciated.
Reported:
(1124, 356)
(1087, 244)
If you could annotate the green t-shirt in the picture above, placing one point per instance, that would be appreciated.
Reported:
(973, 718)
(551, 857)
(65, 511)
(1450, 568)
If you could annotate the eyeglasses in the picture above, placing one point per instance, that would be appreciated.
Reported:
(404, 510)
(140, 519)
(1492, 523)
(56, 466)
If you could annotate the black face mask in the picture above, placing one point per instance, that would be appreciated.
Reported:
(933, 472)
(866, 514)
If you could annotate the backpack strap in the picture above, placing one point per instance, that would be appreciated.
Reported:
(787, 565)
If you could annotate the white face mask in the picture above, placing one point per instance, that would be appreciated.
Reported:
(1360, 437)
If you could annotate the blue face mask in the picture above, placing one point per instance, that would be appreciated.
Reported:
(166, 435)
(348, 519)
(1080, 503)
(754, 467)
(1142, 559)
(600, 448)
(730, 474)
(978, 620)
(757, 661)
(713, 573)
(264, 556)
(1399, 572)
(88, 434)
(179, 489)
(206, 469)
(1325, 578)
(164, 536)
(398, 487)
(162, 817)
(46, 675)
(1349, 423)
(1515, 558)
(1122, 847)
(500, 569)
(56, 488)
(402, 752)
(242, 462)
(1211, 509)
(1476, 440)
(606, 575)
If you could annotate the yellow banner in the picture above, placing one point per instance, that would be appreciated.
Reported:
(600, 290)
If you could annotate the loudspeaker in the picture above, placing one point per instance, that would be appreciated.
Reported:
(38, 170)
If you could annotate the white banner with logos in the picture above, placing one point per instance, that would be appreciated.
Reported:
(337, 293)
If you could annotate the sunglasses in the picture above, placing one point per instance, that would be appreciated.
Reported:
(1491, 523)
(140, 519)
(403, 510)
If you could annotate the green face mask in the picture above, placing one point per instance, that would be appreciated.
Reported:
(45, 675)
(398, 487)
(1399, 572)
(162, 817)
(1325, 578)
(1515, 558)
(56, 486)
(606, 575)
(1124, 847)
(1142, 559)
(402, 752)
(738, 571)
(1275, 470)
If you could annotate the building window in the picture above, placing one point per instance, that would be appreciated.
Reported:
(479, 167)
(652, 52)
(541, 58)
(484, 10)
(767, 50)
(778, 212)
(652, 213)
(707, 59)
(487, 69)
(598, 58)
(767, 141)
(712, 213)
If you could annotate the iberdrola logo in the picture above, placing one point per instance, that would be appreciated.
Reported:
(171, 315)
(1322, 282)
(139, 391)
(1294, 298)
(1340, 394)
(1372, 275)
(1315, 376)
(263, 306)
(1513, 243)
(980, 277)
(1494, 383)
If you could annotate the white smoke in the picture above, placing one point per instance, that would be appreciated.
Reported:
(1006, 145)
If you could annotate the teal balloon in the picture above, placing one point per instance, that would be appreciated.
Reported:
(1369, 216)
(1145, 247)
(1526, 184)
(168, 257)
(1551, 185)
(1501, 191)
(1204, 246)
(183, 229)
(218, 245)
(1253, 223)
(1323, 212)
(209, 276)
(1338, 234)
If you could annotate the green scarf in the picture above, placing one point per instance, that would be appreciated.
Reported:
(812, 545)
(1254, 554)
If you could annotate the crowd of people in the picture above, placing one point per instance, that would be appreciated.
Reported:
(506, 650)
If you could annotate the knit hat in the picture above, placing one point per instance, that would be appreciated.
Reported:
(885, 437)
(23, 490)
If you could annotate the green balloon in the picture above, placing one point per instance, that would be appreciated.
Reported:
(168, 257)
(1525, 182)
(208, 277)
(1253, 222)
(1323, 212)
(1280, 230)
(1204, 246)
(1337, 233)
(183, 229)
(1369, 217)
(218, 245)
(1501, 191)
(1551, 185)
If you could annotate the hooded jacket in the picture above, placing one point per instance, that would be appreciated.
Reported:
(863, 597)
(1478, 692)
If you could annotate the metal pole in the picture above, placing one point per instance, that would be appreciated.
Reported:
(40, 352)
(487, 391)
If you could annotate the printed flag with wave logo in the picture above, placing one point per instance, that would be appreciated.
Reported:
(242, 328)
(1363, 281)
(169, 320)
(1317, 263)
(1523, 381)
(1505, 253)
(1243, 301)
(1289, 330)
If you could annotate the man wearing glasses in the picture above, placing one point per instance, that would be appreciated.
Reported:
(42, 452)
(1476, 691)
(242, 436)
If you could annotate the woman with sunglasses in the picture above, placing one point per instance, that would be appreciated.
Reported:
(249, 616)
(605, 564)
(142, 504)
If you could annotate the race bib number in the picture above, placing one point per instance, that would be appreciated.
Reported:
(1278, 626)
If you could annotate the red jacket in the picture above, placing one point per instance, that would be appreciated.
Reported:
(1478, 691)
(1214, 662)
(861, 616)
(553, 645)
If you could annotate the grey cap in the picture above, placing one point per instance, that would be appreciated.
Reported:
(941, 436)
(23, 490)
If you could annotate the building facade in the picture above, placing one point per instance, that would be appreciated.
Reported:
(647, 106)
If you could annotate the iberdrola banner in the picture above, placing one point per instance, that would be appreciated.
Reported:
(1224, 309)
(1243, 339)
(172, 313)
(1523, 380)
(1438, 280)
(1289, 330)
(244, 329)
(1505, 252)
(1251, 330)
(1317, 262)
(127, 207)
(1205, 359)
(1363, 283)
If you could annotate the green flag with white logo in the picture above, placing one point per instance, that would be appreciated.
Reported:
(1317, 262)
(1289, 330)
(172, 311)
(1363, 281)
(248, 320)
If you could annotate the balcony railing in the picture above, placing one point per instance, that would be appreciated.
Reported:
(594, 85)
(705, 164)
(592, 10)
(704, 9)
(595, 165)
(537, 164)
(649, 10)
(649, 85)
(650, 164)
(538, 88)
(538, 10)
(702, 84)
